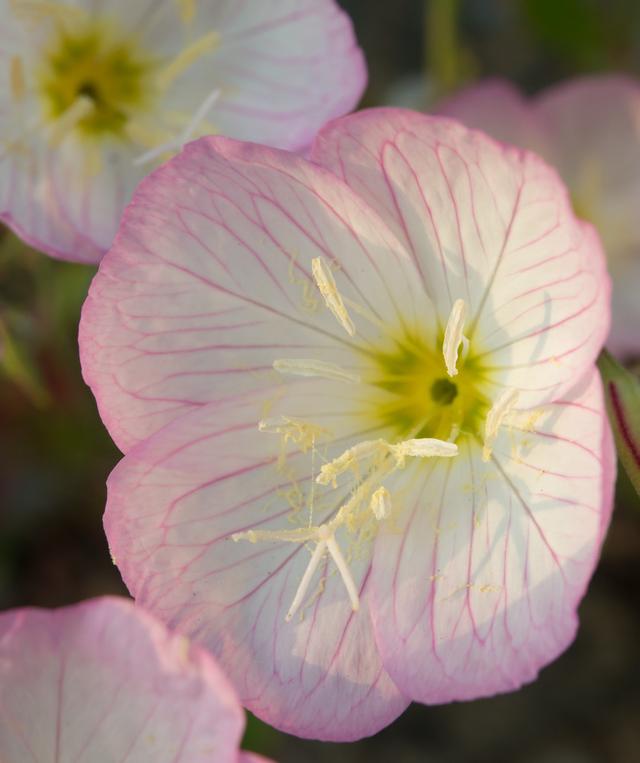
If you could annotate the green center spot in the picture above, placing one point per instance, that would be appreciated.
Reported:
(92, 61)
(443, 392)
(422, 400)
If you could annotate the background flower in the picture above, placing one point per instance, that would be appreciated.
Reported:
(589, 129)
(92, 95)
(104, 681)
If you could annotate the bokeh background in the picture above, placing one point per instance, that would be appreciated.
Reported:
(55, 454)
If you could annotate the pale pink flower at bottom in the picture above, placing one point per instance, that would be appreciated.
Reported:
(589, 129)
(102, 681)
(367, 459)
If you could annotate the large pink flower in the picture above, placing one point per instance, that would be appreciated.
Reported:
(368, 460)
(588, 128)
(93, 94)
(103, 681)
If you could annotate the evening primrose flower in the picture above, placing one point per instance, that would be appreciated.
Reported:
(367, 456)
(93, 95)
(589, 128)
(104, 681)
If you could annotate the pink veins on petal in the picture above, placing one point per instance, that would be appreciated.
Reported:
(367, 459)
(103, 680)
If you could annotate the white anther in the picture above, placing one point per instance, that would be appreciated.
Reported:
(495, 419)
(319, 368)
(424, 447)
(454, 336)
(186, 58)
(350, 458)
(175, 145)
(380, 504)
(17, 79)
(326, 283)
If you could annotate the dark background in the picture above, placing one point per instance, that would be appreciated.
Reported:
(55, 454)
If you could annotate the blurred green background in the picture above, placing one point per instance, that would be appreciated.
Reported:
(55, 454)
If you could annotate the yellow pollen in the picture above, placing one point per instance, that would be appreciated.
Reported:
(454, 336)
(310, 367)
(302, 433)
(17, 79)
(380, 504)
(496, 418)
(326, 283)
(36, 10)
(186, 58)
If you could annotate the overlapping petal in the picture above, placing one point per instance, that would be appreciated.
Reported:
(210, 281)
(104, 681)
(174, 502)
(489, 224)
(588, 129)
(478, 588)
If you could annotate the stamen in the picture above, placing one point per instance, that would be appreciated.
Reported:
(304, 367)
(17, 79)
(424, 447)
(186, 58)
(454, 336)
(79, 109)
(302, 433)
(175, 145)
(380, 504)
(495, 419)
(326, 283)
(187, 10)
(350, 458)
(35, 10)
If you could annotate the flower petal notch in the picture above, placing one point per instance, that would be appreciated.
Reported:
(588, 129)
(308, 488)
(103, 680)
(93, 95)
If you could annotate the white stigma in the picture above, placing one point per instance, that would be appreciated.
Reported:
(454, 336)
(310, 367)
(324, 537)
(326, 283)
(496, 418)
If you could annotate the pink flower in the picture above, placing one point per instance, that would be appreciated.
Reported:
(588, 129)
(92, 95)
(104, 681)
(367, 455)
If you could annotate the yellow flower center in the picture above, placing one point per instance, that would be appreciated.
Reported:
(93, 63)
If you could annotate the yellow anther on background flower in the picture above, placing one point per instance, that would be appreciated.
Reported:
(186, 58)
(17, 79)
(495, 419)
(326, 283)
(454, 336)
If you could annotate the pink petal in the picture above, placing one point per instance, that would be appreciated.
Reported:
(209, 282)
(491, 225)
(498, 108)
(103, 681)
(480, 589)
(251, 757)
(592, 123)
(174, 502)
(587, 128)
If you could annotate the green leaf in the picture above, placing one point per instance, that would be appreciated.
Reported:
(622, 395)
